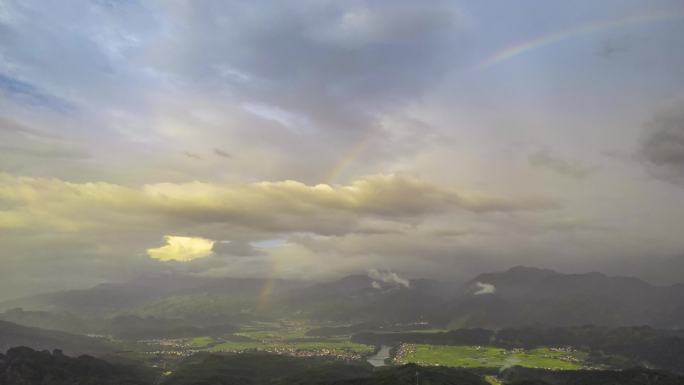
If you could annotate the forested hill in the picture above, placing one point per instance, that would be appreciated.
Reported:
(12, 335)
(25, 366)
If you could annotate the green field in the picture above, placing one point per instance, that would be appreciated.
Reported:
(289, 337)
(490, 357)
(201, 342)
(274, 334)
(325, 347)
(286, 336)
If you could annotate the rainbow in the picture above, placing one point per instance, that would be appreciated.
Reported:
(500, 56)
(586, 29)
(267, 289)
(276, 266)
(344, 163)
(266, 293)
(511, 52)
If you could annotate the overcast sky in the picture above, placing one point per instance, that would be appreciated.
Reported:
(312, 139)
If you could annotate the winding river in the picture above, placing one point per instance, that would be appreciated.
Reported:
(379, 358)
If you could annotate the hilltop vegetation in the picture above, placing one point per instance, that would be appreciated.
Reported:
(632, 376)
(257, 369)
(12, 335)
(25, 366)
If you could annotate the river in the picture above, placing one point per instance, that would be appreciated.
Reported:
(379, 358)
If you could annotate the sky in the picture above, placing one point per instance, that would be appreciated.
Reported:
(313, 139)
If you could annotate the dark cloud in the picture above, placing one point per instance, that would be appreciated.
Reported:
(235, 248)
(222, 153)
(663, 145)
(610, 48)
(333, 63)
(192, 155)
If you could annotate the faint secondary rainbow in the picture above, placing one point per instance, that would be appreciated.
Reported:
(585, 29)
(349, 157)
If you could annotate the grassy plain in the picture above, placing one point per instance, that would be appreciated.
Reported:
(285, 337)
(323, 347)
(490, 357)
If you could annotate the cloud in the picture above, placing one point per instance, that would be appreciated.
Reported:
(159, 78)
(332, 65)
(287, 206)
(235, 248)
(484, 288)
(22, 145)
(105, 230)
(564, 167)
(49, 152)
(182, 249)
(328, 109)
(15, 127)
(388, 277)
(27, 93)
(662, 147)
(222, 153)
(192, 155)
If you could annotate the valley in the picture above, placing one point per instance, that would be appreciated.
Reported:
(491, 357)
(376, 324)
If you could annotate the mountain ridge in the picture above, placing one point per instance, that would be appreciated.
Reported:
(515, 297)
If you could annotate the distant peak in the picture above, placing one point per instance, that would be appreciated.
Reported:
(526, 269)
(517, 273)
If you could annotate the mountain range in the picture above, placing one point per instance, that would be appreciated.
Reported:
(517, 297)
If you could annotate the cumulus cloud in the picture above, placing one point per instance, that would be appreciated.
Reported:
(388, 277)
(237, 247)
(182, 249)
(287, 206)
(95, 224)
(663, 145)
(484, 288)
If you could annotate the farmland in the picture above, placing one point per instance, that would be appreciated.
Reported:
(490, 357)
(283, 337)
